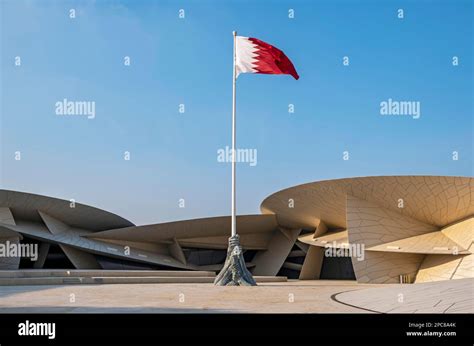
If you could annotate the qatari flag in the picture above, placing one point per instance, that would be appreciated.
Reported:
(255, 56)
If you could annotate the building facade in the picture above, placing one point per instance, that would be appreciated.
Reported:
(386, 229)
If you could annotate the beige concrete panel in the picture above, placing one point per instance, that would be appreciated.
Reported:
(177, 252)
(304, 206)
(252, 241)
(312, 265)
(54, 225)
(270, 261)
(25, 205)
(6, 216)
(336, 238)
(151, 247)
(304, 247)
(80, 259)
(8, 233)
(446, 267)
(461, 232)
(428, 243)
(384, 267)
(435, 200)
(321, 229)
(437, 268)
(390, 232)
(196, 228)
(42, 254)
(465, 268)
(372, 225)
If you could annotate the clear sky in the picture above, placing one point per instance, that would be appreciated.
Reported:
(189, 61)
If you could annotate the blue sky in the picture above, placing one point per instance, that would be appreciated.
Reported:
(189, 61)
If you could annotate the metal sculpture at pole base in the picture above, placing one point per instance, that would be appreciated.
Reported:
(234, 272)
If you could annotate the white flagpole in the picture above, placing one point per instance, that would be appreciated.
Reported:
(234, 272)
(234, 154)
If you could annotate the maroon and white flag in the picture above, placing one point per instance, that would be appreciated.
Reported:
(255, 56)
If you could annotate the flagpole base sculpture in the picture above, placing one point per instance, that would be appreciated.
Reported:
(234, 272)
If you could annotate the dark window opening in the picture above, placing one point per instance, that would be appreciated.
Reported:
(337, 268)
(57, 259)
(27, 263)
(289, 273)
(202, 257)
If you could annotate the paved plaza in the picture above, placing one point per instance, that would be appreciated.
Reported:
(312, 296)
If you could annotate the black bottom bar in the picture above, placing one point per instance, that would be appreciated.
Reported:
(160, 329)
